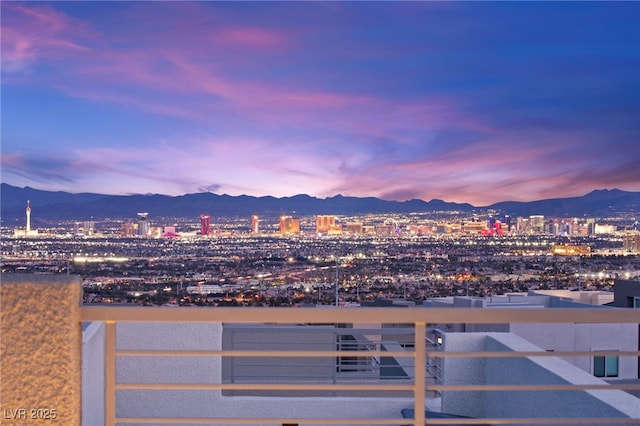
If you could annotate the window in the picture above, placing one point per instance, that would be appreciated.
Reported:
(605, 366)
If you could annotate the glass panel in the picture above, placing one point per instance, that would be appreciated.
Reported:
(598, 366)
(612, 366)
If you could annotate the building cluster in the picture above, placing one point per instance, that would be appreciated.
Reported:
(330, 225)
(382, 226)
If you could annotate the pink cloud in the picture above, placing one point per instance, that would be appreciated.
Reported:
(10, 160)
(107, 74)
(33, 32)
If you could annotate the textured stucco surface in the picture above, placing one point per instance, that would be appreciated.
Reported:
(40, 348)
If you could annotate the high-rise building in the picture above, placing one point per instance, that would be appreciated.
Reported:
(255, 224)
(205, 224)
(631, 242)
(27, 232)
(354, 227)
(324, 223)
(143, 225)
(28, 211)
(289, 225)
(128, 229)
(536, 223)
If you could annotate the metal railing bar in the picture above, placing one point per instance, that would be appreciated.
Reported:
(457, 421)
(448, 354)
(280, 421)
(110, 373)
(267, 386)
(571, 387)
(420, 371)
(274, 354)
(341, 377)
(367, 354)
(321, 329)
(358, 315)
(538, 421)
(367, 386)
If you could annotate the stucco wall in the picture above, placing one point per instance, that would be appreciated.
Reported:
(585, 337)
(40, 349)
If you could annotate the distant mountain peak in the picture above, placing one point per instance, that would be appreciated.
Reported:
(63, 205)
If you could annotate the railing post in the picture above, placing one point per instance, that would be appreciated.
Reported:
(110, 374)
(420, 369)
(41, 349)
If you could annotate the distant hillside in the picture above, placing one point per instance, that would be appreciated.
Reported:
(66, 206)
(60, 205)
(600, 203)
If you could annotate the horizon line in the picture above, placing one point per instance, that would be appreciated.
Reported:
(317, 197)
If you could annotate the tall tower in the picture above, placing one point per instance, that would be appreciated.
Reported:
(205, 224)
(255, 224)
(28, 217)
(143, 225)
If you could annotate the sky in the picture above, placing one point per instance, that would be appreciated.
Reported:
(473, 102)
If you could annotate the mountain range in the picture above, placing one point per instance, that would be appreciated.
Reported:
(85, 206)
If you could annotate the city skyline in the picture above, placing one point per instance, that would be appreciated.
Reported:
(465, 102)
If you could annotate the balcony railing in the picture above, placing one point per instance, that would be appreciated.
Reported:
(48, 373)
(424, 351)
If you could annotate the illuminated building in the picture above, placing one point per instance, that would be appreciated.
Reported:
(385, 230)
(289, 225)
(536, 224)
(28, 211)
(128, 229)
(604, 229)
(369, 229)
(324, 223)
(354, 227)
(205, 224)
(335, 230)
(631, 242)
(170, 232)
(507, 222)
(27, 232)
(570, 249)
(255, 224)
(143, 224)
(473, 228)
(85, 228)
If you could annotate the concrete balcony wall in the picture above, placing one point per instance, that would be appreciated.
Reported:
(40, 348)
(585, 337)
(168, 369)
(524, 371)
(463, 371)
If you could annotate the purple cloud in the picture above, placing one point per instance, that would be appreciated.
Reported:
(383, 99)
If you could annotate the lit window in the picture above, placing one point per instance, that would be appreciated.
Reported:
(605, 366)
